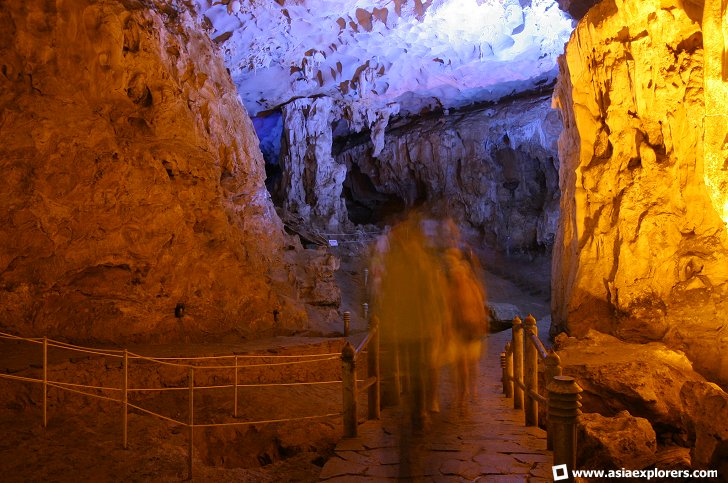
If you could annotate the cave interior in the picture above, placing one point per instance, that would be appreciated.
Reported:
(196, 174)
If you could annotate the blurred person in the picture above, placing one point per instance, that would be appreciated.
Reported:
(468, 318)
(412, 307)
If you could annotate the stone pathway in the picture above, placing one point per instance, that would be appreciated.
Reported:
(487, 442)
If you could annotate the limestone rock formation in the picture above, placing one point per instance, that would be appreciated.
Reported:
(642, 245)
(495, 168)
(621, 441)
(645, 379)
(312, 180)
(501, 315)
(707, 408)
(576, 8)
(132, 186)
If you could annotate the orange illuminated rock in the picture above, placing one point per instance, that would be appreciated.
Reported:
(132, 187)
(615, 442)
(644, 379)
(708, 424)
(642, 249)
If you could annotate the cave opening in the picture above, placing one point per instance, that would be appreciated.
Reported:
(269, 128)
(365, 204)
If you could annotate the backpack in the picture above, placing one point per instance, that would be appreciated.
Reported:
(467, 298)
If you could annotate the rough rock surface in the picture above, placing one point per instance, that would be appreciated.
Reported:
(576, 8)
(312, 180)
(645, 379)
(419, 53)
(502, 314)
(622, 441)
(132, 181)
(707, 407)
(495, 168)
(642, 245)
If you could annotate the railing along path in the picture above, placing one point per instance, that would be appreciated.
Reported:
(519, 362)
(229, 363)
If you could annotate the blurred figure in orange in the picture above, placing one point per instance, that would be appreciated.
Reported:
(469, 323)
(412, 307)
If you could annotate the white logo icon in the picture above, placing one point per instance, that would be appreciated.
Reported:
(560, 472)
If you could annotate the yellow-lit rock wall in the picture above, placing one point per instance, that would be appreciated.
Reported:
(131, 179)
(642, 246)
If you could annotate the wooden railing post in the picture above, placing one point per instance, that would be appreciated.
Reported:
(552, 369)
(348, 378)
(530, 371)
(347, 323)
(45, 382)
(125, 398)
(564, 396)
(517, 363)
(509, 370)
(191, 379)
(235, 399)
(373, 398)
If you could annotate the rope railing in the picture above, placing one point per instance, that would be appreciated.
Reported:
(233, 366)
(519, 363)
(121, 394)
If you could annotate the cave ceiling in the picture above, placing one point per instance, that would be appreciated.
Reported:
(414, 55)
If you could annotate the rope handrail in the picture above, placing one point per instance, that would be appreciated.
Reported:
(147, 411)
(246, 356)
(19, 378)
(70, 384)
(59, 383)
(219, 367)
(363, 343)
(97, 396)
(119, 352)
(83, 350)
(79, 348)
(5, 335)
(178, 388)
(265, 421)
(223, 386)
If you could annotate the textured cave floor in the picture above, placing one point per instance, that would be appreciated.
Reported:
(82, 440)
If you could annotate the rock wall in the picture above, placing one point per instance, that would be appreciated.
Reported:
(641, 250)
(494, 168)
(132, 181)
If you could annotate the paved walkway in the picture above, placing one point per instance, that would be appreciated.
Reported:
(488, 442)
